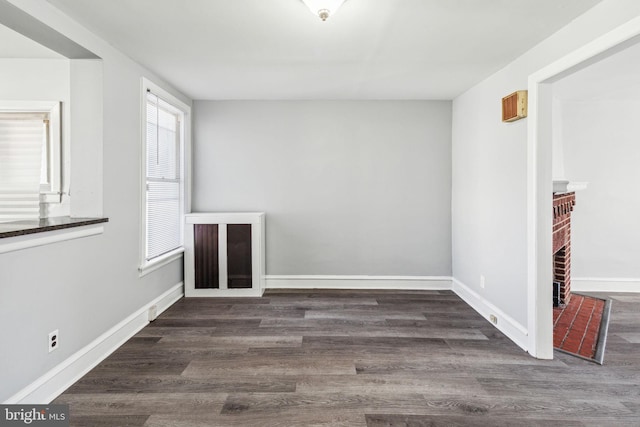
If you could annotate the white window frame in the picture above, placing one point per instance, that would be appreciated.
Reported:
(51, 192)
(147, 266)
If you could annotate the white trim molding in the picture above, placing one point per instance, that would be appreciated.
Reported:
(359, 282)
(605, 284)
(505, 324)
(159, 262)
(57, 380)
(540, 176)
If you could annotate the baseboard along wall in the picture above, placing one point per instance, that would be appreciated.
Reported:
(512, 329)
(359, 282)
(504, 323)
(57, 380)
(603, 284)
(50, 385)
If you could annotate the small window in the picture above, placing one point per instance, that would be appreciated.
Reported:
(30, 167)
(164, 182)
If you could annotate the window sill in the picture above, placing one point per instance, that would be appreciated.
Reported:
(156, 263)
(19, 235)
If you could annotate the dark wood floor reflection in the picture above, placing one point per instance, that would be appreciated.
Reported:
(353, 358)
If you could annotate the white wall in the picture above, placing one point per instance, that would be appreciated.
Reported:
(349, 187)
(85, 172)
(35, 79)
(489, 210)
(82, 287)
(601, 147)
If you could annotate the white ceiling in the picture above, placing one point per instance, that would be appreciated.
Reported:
(15, 45)
(370, 49)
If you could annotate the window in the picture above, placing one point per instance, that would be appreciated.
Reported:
(164, 177)
(30, 166)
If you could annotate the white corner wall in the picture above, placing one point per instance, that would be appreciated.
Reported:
(88, 286)
(489, 173)
(350, 188)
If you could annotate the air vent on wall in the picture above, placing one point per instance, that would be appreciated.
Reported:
(514, 106)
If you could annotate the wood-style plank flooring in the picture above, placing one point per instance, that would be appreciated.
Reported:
(353, 358)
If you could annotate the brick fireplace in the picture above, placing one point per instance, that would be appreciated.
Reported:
(562, 207)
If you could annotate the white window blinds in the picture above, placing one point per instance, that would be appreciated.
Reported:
(163, 180)
(22, 139)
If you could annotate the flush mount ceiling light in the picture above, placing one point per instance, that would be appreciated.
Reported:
(323, 8)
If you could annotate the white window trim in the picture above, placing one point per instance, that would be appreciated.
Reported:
(147, 266)
(51, 192)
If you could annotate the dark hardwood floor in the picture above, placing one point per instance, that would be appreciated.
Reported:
(353, 358)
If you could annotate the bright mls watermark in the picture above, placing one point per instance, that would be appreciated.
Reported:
(34, 415)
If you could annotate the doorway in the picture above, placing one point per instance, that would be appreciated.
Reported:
(539, 177)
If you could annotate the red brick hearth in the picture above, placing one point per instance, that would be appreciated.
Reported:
(562, 207)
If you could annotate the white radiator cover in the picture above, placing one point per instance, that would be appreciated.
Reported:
(258, 264)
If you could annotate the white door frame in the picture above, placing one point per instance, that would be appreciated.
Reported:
(539, 179)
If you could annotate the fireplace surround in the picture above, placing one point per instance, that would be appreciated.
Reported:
(563, 204)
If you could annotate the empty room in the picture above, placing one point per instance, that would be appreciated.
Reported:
(319, 212)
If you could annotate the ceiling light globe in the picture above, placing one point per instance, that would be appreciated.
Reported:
(323, 8)
(324, 14)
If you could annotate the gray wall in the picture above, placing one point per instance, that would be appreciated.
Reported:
(86, 286)
(349, 187)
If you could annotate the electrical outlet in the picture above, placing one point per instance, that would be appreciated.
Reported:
(482, 281)
(54, 340)
(153, 313)
(493, 319)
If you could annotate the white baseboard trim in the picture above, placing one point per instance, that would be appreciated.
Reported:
(57, 380)
(605, 284)
(507, 325)
(359, 282)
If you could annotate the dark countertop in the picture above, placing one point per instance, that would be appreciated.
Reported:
(21, 228)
